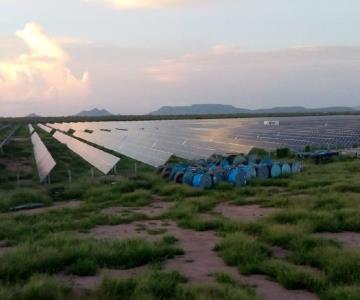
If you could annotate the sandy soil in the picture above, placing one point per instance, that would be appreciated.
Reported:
(347, 239)
(244, 212)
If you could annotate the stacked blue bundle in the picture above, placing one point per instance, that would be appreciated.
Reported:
(236, 169)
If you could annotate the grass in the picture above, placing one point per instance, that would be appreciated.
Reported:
(323, 198)
(243, 251)
(84, 257)
(160, 285)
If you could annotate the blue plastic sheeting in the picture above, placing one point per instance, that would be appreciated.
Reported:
(275, 170)
(285, 169)
(202, 181)
(238, 176)
(262, 171)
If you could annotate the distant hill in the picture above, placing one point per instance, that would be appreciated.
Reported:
(94, 113)
(199, 109)
(32, 115)
(209, 109)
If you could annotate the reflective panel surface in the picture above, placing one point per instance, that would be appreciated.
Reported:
(101, 160)
(44, 161)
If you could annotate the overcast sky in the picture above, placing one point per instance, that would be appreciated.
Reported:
(133, 56)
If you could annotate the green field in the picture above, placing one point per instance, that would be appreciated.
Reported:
(97, 238)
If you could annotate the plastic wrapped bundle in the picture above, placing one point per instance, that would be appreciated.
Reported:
(296, 167)
(188, 178)
(285, 169)
(238, 176)
(202, 181)
(238, 160)
(275, 170)
(262, 171)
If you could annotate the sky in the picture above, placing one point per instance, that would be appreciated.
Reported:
(134, 56)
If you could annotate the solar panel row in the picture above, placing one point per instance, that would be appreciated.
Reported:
(44, 161)
(101, 160)
(8, 137)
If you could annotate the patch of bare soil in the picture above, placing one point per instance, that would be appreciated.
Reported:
(5, 248)
(86, 283)
(153, 230)
(244, 212)
(348, 239)
(270, 290)
(154, 210)
(279, 252)
(55, 206)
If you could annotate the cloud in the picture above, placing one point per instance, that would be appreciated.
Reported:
(178, 70)
(42, 74)
(306, 75)
(146, 4)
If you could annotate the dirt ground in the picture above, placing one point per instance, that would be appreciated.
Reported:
(347, 239)
(199, 263)
(154, 210)
(243, 212)
(17, 166)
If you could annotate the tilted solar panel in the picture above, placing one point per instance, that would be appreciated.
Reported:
(31, 129)
(45, 128)
(44, 161)
(101, 160)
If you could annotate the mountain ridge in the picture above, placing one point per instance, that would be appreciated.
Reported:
(95, 112)
(208, 109)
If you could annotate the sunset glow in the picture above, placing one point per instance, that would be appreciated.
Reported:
(41, 74)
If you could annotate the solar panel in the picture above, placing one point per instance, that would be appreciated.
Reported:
(101, 160)
(45, 128)
(31, 129)
(44, 161)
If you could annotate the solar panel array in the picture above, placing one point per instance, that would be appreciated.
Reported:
(101, 160)
(44, 161)
(2, 127)
(154, 141)
(45, 128)
(8, 137)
